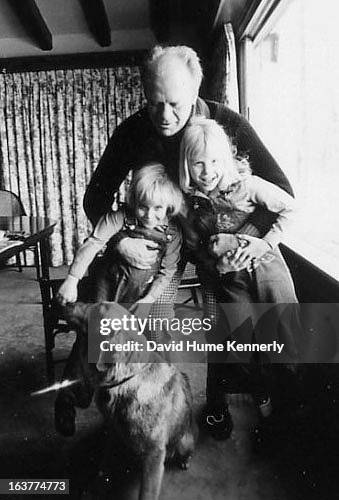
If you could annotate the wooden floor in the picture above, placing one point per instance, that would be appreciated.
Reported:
(296, 458)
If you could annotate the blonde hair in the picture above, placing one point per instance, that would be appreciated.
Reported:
(197, 133)
(151, 184)
(185, 54)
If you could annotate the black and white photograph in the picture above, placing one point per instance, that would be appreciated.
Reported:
(169, 249)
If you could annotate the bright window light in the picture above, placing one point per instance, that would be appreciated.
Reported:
(294, 106)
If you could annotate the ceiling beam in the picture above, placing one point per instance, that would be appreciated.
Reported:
(72, 61)
(97, 20)
(33, 22)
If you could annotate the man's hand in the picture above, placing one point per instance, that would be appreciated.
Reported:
(249, 252)
(68, 292)
(138, 252)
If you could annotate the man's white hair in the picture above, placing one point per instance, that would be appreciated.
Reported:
(187, 55)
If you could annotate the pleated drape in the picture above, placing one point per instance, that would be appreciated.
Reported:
(54, 126)
(222, 85)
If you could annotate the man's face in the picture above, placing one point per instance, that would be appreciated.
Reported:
(170, 97)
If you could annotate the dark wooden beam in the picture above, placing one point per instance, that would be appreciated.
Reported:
(72, 61)
(33, 22)
(97, 20)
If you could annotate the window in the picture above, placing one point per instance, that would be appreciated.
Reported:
(293, 99)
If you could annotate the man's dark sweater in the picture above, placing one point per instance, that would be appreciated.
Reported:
(136, 141)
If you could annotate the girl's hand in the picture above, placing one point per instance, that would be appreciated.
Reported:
(251, 249)
(68, 292)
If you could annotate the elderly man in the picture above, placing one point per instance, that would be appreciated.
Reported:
(171, 78)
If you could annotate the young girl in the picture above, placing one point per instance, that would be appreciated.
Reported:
(221, 196)
(152, 202)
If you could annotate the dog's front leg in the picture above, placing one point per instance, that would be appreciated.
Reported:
(152, 473)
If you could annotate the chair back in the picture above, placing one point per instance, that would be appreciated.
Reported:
(10, 204)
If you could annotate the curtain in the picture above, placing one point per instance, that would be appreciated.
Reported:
(54, 128)
(222, 83)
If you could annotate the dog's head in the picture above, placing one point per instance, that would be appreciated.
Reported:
(221, 244)
(98, 323)
(79, 314)
(76, 314)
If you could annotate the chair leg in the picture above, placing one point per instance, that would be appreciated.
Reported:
(49, 346)
(48, 328)
(37, 262)
(19, 263)
(50, 366)
(195, 297)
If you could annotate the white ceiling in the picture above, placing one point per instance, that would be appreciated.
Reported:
(129, 21)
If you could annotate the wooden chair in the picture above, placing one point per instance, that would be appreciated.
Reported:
(54, 324)
(190, 281)
(11, 206)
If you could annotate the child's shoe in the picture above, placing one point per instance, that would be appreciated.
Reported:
(217, 422)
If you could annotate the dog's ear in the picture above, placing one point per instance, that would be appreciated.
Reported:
(76, 314)
(111, 310)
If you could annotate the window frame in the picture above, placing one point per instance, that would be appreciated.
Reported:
(255, 26)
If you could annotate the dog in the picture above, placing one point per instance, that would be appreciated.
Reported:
(223, 246)
(144, 400)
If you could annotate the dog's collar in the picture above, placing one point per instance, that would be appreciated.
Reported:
(111, 384)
